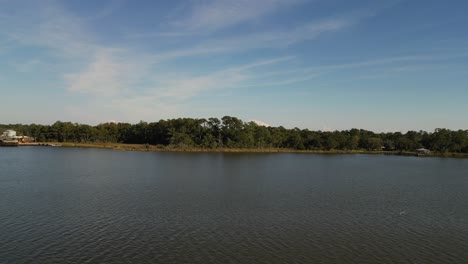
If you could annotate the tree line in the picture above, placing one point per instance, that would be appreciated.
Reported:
(231, 132)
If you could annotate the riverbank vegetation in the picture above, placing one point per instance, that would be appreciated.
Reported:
(232, 133)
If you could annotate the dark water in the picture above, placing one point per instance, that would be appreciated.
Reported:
(63, 205)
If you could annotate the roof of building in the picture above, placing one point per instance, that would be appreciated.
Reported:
(422, 149)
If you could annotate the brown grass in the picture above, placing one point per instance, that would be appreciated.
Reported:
(141, 147)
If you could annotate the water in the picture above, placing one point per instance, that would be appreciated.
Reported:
(65, 205)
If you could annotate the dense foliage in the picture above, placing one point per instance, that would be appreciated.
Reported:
(231, 132)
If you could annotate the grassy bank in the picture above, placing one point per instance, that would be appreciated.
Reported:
(141, 147)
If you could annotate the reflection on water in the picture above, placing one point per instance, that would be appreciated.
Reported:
(64, 205)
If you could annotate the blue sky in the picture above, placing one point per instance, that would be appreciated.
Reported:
(321, 64)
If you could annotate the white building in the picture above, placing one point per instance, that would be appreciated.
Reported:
(9, 134)
(423, 151)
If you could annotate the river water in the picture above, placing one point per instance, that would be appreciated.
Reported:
(71, 205)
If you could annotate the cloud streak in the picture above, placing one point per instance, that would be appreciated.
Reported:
(183, 88)
(279, 39)
(214, 15)
(102, 77)
(123, 79)
(171, 94)
(106, 11)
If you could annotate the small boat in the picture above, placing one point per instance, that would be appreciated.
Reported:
(8, 143)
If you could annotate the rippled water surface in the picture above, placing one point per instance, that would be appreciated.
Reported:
(65, 205)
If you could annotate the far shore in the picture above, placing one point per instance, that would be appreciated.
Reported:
(145, 147)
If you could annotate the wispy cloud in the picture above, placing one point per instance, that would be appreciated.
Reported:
(111, 71)
(284, 81)
(183, 88)
(51, 28)
(170, 95)
(282, 38)
(213, 15)
(260, 123)
(388, 66)
(285, 37)
(121, 78)
(106, 10)
(376, 62)
(399, 63)
(92, 68)
(103, 76)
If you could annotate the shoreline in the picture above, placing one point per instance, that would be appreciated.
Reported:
(152, 148)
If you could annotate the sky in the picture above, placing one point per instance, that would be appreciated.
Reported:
(387, 65)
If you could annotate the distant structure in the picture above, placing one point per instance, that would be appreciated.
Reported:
(423, 151)
(8, 139)
(9, 134)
